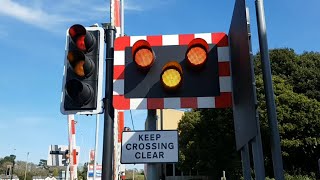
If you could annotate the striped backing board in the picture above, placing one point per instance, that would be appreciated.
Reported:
(222, 101)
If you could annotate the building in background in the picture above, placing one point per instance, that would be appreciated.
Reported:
(169, 118)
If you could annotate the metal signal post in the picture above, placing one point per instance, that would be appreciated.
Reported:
(108, 143)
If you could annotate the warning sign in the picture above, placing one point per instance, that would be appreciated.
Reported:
(149, 147)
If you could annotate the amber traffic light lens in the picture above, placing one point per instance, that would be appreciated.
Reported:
(197, 53)
(144, 58)
(81, 65)
(197, 56)
(171, 76)
(142, 54)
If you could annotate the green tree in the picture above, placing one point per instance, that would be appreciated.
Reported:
(43, 164)
(300, 71)
(82, 172)
(296, 81)
(206, 143)
(206, 139)
(7, 160)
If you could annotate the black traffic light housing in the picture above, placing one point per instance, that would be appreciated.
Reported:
(83, 70)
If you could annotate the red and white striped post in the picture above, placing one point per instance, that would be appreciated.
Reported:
(117, 18)
(115, 15)
(72, 147)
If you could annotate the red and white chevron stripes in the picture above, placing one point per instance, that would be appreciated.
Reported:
(72, 146)
(222, 101)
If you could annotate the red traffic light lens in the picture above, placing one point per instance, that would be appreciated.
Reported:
(197, 53)
(171, 76)
(83, 39)
(142, 54)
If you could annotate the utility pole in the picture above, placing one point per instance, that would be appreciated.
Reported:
(108, 141)
(25, 172)
(151, 124)
(267, 80)
(96, 147)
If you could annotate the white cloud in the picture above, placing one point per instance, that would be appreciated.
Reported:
(132, 7)
(49, 15)
(127, 7)
(33, 16)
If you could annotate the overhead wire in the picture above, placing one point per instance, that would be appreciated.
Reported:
(131, 120)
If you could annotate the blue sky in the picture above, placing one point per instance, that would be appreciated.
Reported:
(32, 41)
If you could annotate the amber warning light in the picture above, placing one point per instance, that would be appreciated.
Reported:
(143, 55)
(171, 76)
(197, 53)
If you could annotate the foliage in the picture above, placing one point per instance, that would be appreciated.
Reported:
(82, 173)
(296, 80)
(7, 160)
(32, 169)
(207, 143)
(300, 71)
(138, 174)
(206, 139)
(43, 164)
(295, 177)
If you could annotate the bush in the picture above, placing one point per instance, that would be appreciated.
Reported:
(295, 177)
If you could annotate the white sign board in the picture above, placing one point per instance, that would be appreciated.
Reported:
(149, 147)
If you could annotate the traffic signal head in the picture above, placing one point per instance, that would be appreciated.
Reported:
(83, 72)
(175, 71)
(189, 70)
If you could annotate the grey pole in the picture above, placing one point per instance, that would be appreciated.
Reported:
(267, 80)
(151, 124)
(245, 157)
(257, 153)
(107, 153)
(161, 128)
(256, 143)
(96, 148)
(122, 18)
